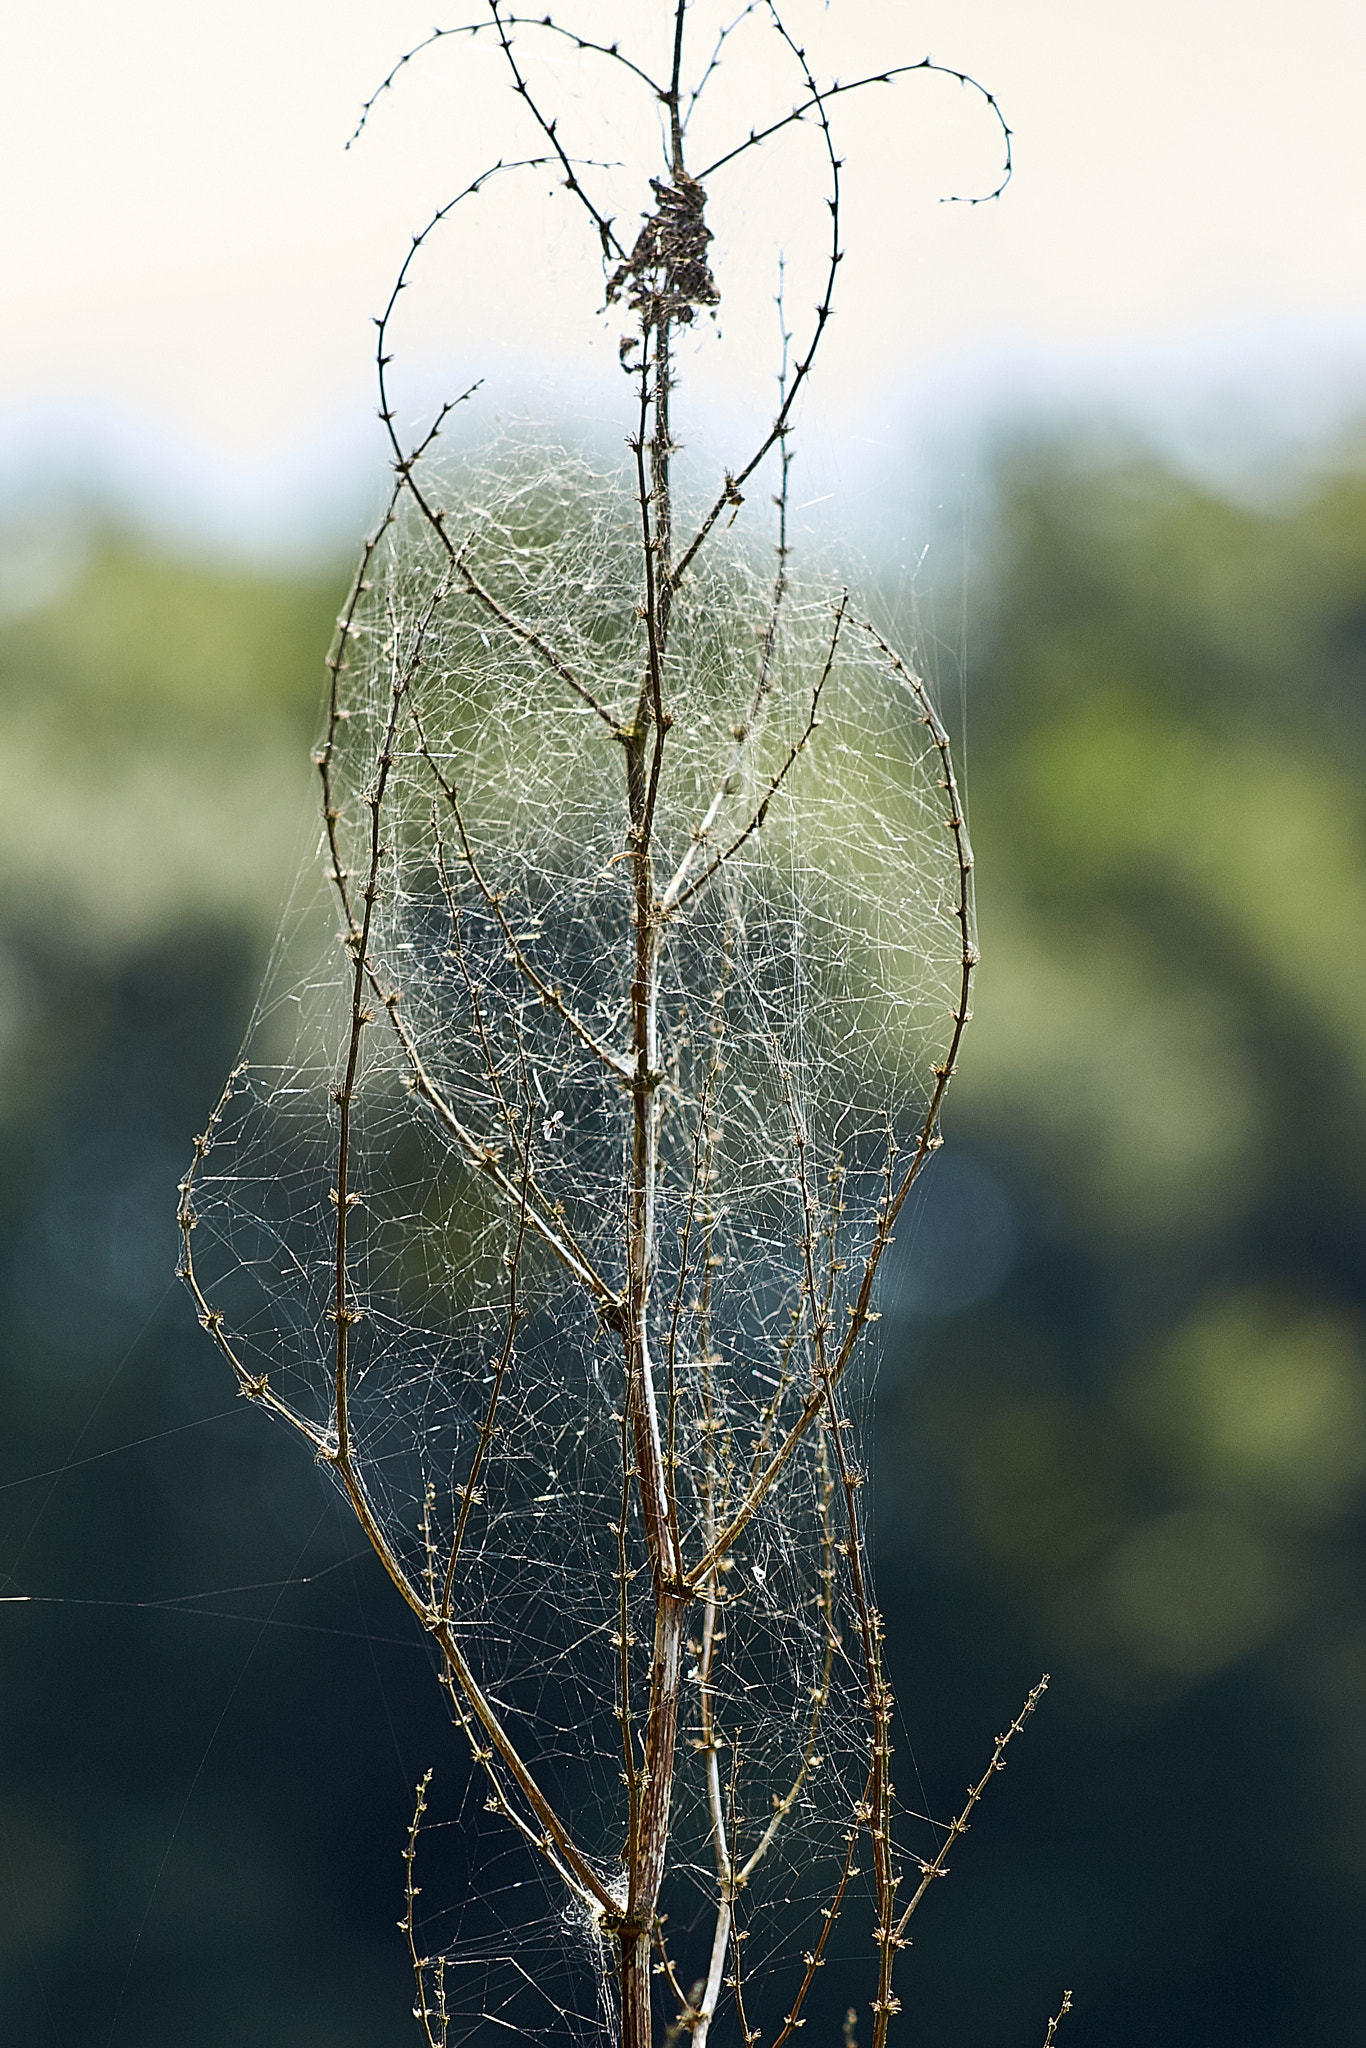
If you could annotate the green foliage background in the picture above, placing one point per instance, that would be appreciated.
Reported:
(1135, 1459)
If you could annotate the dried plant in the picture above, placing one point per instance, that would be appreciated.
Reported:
(549, 1208)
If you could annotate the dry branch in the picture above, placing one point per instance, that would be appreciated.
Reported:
(646, 1059)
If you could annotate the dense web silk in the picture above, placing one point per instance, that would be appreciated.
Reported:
(812, 884)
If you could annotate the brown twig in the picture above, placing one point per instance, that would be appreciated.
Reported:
(1059, 2016)
(937, 1866)
(672, 903)
(532, 639)
(550, 994)
(435, 2021)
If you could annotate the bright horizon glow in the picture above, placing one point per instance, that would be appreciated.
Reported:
(193, 259)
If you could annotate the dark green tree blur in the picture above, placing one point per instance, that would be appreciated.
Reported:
(1122, 1417)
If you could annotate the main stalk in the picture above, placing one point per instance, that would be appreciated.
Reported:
(659, 264)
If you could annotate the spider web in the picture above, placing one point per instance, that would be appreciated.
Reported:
(811, 981)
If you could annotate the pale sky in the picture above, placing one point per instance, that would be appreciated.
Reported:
(191, 258)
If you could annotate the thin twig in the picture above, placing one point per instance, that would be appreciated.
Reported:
(937, 1865)
(405, 460)
(776, 781)
(1051, 2036)
(345, 1311)
(816, 101)
(815, 1956)
(820, 1693)
(738, 1935)
(624, 1643)
(435, 2024)
(758, 136)
(475, 28)
(532, 639)
(550, 994)
(727, 31)
(748, 727)
(606, 234)
(860, 1311)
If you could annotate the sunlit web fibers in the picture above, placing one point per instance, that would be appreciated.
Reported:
(806, 995)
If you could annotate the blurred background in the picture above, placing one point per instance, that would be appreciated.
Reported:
(1100, 448)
